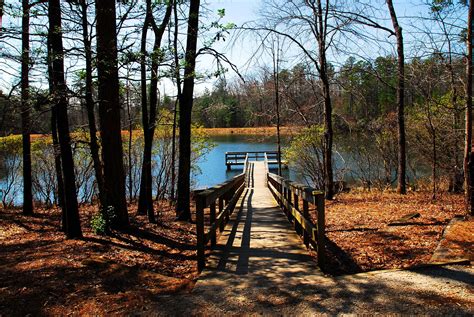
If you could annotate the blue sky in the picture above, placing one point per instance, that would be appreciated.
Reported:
(241, 11)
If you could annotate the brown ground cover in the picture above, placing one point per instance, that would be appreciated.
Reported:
(43, 273)
(361, 239)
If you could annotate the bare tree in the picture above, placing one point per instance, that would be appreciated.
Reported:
(185, 109)
(25, 108)
(401, 188)
(300, 21)
(59, 95)
(89, 102)
(468, 157)
(149, 107)
(109, 112)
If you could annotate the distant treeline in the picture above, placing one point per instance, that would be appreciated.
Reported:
(362, 92)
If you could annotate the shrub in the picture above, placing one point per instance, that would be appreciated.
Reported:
(101, 221)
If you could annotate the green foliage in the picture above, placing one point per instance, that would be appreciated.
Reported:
(305, 155)
(11, 144)
(221, 13)
(218, 109)
(102, 221)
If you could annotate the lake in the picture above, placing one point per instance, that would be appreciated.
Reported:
(356, 161)
(212, 165)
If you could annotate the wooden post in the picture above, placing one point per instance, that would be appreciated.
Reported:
(212, 220)
(296, 205)
(201, 255)
(321, 229)
(226, 200)
(306, 215)
(288, 199)
(221, 207)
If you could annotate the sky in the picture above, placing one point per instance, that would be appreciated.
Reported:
(242, 11)
(243, 49)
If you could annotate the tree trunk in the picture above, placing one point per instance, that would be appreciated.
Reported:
(185, 106)
(2, 2)
(55, 138)
(57, 157)
(276, 83)
(109, 113)
(25, 110)
(468, 133)
(142, 205)
(175, 110)
(72, 223)
(130, 139)
(93, 143)
(328, 131)
(149, 117)
(401, 188)
(456, 181)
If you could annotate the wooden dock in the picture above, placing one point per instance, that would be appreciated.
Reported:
(258, 248)
(239, 158)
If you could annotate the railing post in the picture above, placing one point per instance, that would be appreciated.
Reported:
(298, 227)
(306, 215)
(201, 256)
(321, 229)
(226, 200)
(212, 220)
(221, 207)
(288, 200)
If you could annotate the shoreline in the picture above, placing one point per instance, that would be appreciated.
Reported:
(291, 130)
(266, 131)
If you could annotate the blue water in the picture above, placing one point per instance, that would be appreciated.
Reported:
(212, 170)
(212, 165)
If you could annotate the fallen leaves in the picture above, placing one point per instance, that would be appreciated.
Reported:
(361, 240)
(43, 273)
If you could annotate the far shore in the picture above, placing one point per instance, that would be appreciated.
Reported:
(291, 130)
(256, 131)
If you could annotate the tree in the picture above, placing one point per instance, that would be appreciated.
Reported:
(397, 31)
(300, 21)
(109, 113)
(149, 107)
(25, 109)
(468, 156)
(59, 90)
(401, 188)
(441, 12)
(185, 110)
(89, 102)
(276, 52)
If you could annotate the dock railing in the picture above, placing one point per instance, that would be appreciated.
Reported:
(295, 200)
(238, 158)
(218, 202)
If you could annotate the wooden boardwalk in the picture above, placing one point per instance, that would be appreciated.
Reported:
(258, 248)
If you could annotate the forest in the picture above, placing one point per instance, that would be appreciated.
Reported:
(110, 109)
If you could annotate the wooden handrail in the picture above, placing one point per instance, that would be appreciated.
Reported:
(221, 201)
(246, 170)
(267, 170)
(288, 194)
